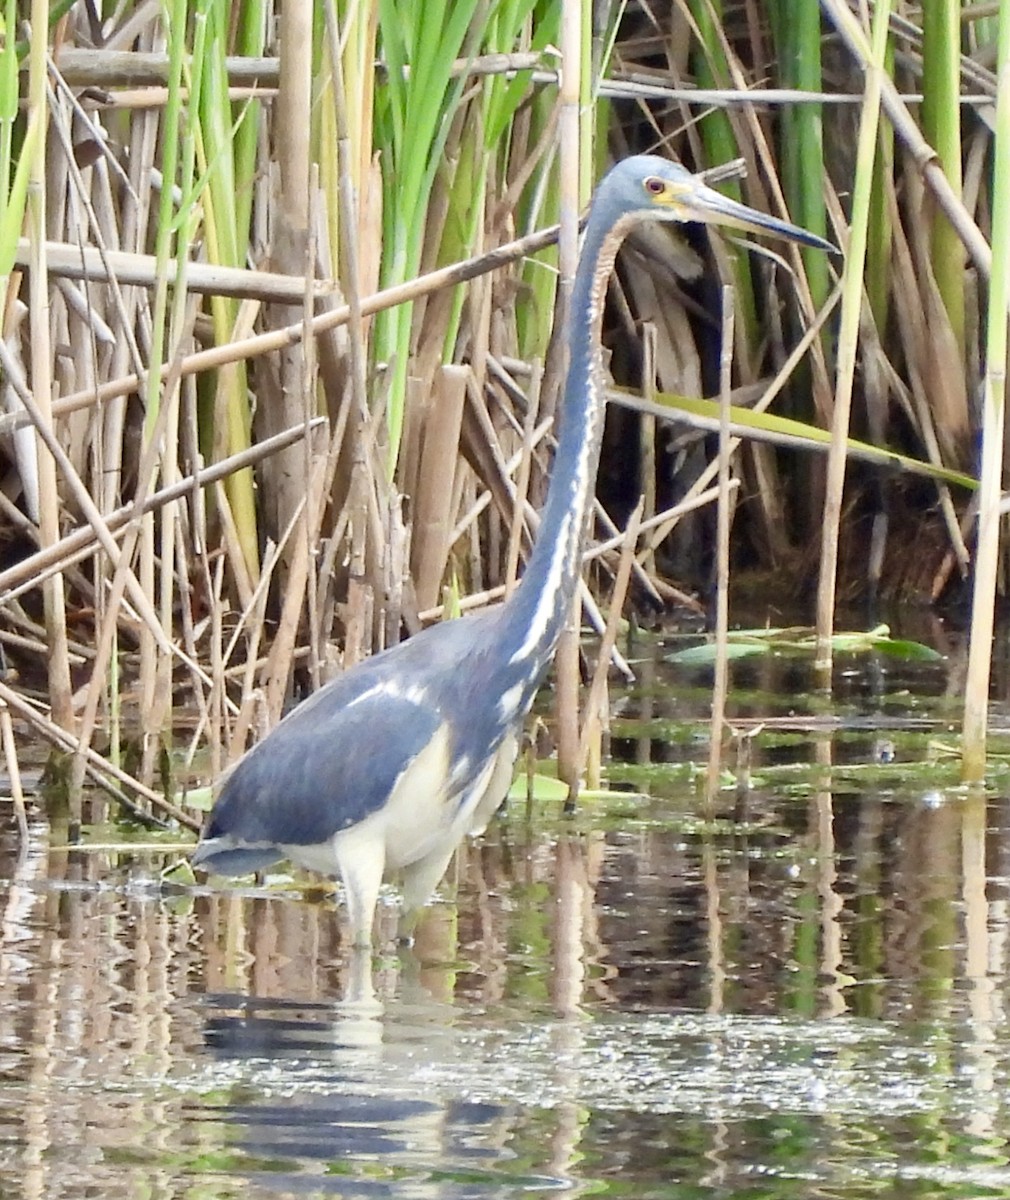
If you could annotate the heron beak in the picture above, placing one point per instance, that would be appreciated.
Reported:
(705, 204)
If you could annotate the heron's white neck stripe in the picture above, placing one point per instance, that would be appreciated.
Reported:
(564, 567)
(570, 491)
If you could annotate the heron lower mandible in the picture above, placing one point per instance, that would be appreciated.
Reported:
(386, 768)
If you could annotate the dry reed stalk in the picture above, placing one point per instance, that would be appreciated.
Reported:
(190, 630)
(667, 518)
(104, 68)
(418, 401)
(79, 491)
(138, 100)
(95, 264)
(58, 662)
(157, 719)
(36, 646)
(758, 151)
(468, 603)
(607, 531)
(359, 609)
(251, 623)
(314, 505)
(912, 334)
(848, 345)
(978, 676)
(523, 472)
(99, 769)
(498, 489)
(10, 750)
(351, 218)
(277, 339)
(942, 361)
(213, 714)
(127, 225)
(595, 708)
(724, 519)
(73, 547)
(300, 540)
(433, 494)
(647, 439)
(774, 387)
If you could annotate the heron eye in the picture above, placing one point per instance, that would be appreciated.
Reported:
(654, 186)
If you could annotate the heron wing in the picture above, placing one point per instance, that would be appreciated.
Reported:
(330, 763)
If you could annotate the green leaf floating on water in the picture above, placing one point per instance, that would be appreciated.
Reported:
(546, 788)
(745, 643)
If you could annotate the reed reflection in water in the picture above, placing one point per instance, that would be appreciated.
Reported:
(803, 988)
(583, 984)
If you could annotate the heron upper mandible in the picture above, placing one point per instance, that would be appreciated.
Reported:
(387, 767)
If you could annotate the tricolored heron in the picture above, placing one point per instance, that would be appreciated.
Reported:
(387, 767)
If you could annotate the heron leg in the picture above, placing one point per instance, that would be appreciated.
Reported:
(361, 863)
(421, 878)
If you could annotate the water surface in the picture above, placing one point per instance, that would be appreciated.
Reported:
(797, 991)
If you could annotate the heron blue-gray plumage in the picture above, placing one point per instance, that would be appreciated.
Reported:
(389, 766)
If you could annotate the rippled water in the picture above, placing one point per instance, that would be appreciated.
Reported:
(800, 992)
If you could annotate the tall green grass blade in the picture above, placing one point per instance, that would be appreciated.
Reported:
(172, 132)
(806, 198)
(721, 146)
(15, 166)
(250, 29)
(790, 431)
(8, 99)
(220, 135)
(941, 119)
(487, 142)
(414, 115)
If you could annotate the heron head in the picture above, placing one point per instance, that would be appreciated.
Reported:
(652, 187)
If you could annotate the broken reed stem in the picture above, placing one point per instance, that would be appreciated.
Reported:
(140, 599)
(289, 335)
(523, 474)
(27, 574)
(98, 768)
(594, 706)
(907, 128)
(723, 521)
(14, 772)
(773, 389)
(647, 439)
(297, 579)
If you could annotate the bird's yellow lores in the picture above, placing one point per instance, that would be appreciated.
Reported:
(387, 768)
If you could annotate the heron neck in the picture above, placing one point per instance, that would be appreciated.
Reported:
(540, 606)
